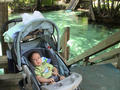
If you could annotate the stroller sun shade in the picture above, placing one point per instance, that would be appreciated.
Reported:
(44, 25)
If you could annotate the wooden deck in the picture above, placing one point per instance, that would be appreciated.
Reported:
(104, 75)
(8, 81)
(98, 77)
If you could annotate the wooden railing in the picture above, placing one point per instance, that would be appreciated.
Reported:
(72, 5)
(63, 44)
(110, 41)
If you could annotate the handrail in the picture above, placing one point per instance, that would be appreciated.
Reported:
(72, 4)
(110, 41)
(106, 56)
(63, 44)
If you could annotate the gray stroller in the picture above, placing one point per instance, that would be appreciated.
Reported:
(40, 35)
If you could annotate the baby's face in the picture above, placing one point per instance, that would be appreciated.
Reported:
(36, 59)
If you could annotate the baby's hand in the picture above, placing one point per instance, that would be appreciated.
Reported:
(51, 80)
(62, 77)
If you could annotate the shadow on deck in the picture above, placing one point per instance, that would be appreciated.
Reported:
(99, 77)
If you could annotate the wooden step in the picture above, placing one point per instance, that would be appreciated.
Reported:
(4, 63)
(10, 81)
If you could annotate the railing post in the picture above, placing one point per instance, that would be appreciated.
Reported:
(3, 19)
(118, 62)
(86, 60)
(63, 44)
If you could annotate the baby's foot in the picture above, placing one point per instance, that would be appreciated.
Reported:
(52, 82)
(62, 77)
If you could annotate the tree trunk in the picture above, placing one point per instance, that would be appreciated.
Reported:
(108, 6)
(91, 11)
(116, 11)
(99, 7)
(38, 4)
(94, 4)
(112, 8)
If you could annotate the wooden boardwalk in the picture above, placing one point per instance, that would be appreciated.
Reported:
(8, 81)
(99, 77)
(101, 72)
(113, 54)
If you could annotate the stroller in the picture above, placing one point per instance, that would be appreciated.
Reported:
(40, 35)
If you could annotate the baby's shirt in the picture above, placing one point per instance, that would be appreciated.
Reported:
(44, 70)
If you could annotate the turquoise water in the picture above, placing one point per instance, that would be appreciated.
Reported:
(1, 71)
(82, 35)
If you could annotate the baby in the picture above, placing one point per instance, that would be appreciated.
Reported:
(45, 72)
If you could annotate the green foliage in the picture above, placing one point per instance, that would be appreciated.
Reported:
(28, 4)
(18, 4)
(47, 2)
(108, 8)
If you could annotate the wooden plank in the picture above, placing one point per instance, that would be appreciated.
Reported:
(3, 19)
(65, 49)
(10, 81)
(3, 62)
(110, 41)
(118, 62)
(113, 61)
(10, 88)
(11, 76)
(105, 55)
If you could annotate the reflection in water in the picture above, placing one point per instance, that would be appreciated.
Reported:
(82, 35)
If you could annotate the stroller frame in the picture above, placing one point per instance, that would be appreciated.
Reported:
(21, 61)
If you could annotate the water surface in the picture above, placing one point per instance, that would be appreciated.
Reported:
(82, 35)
